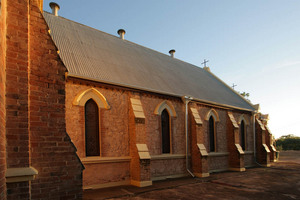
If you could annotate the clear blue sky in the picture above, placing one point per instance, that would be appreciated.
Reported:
(252, 43)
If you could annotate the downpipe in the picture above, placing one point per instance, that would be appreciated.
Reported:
(254, 137)
(187, 99)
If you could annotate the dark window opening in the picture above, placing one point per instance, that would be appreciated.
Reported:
(211, 134)
(242, 135)
(165, 131)
(92, 128)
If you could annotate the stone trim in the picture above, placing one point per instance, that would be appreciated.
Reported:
(202, 149)
(218, 170)
(138, 110)
(242, 117)
(196, 115)
(143, 151)
(14, 175)
(94, 159)
(232, 119)
(266, 148)
(212, 112)
(260, 124)
(106, 185)
(217, 154)
(165, 105)
(141, 183)
(94, 94)
(201, 175)
(239, 149)
(273, 148)
(242, 169)
(167, 156)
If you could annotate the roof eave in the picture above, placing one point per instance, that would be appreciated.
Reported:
(225, 106)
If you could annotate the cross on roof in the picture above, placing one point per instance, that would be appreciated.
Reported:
(205, 61)
(233, 85)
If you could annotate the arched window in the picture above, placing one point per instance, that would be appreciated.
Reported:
(165, 131)
(211, 131)
(92, 146)
(243, 135)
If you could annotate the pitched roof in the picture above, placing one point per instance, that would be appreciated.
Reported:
(95, 55)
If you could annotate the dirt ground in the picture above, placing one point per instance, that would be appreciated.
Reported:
(280, 181)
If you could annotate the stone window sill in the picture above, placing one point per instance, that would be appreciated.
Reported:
(217, 154)
(248, 152)
(96, 159)
(167, 156)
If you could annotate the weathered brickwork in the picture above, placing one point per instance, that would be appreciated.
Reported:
(248, 128)
(199, 163)
(153, 124)
(114, 138)
(18, 191)
(35, 112)
(2, 100)
(102, 173)
(218, 163)
(249, 159)
(123, 137)
(262, 154)
(52, 153)
(42, 127)
(167, 167)
(114, 135)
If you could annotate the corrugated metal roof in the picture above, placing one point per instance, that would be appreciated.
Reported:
(90, 53)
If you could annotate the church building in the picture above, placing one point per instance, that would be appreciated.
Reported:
(83, 109)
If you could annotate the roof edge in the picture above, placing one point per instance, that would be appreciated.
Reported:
(247, 101)
(225, 106)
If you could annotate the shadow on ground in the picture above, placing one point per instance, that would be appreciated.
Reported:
(280, 181)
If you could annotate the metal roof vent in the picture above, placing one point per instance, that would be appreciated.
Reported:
(172, 52)
(55, 7)
(121, 33)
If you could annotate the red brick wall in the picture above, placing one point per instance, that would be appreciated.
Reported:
(153, 124)
(2, 102)
(114, 132)
(35, 111)
(124, 130)
(52, 153)
(113, 122)
(17, 61)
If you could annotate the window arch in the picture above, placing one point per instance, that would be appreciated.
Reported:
(165, 132)
(165, 105)
(92, 93)
(243, 135)
(212, 134)
(212, 112)
(92, 143)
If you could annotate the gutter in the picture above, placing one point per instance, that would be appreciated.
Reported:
(186, 100)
